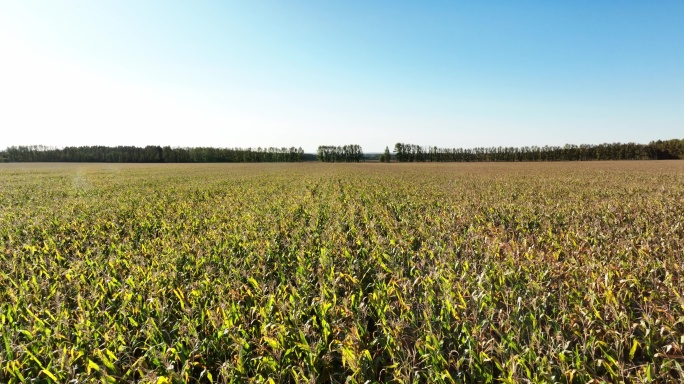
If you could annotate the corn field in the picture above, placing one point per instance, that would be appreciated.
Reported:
(342, 273)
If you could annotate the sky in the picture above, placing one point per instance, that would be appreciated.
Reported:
(309, 73)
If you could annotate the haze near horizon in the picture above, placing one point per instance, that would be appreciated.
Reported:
(296, 73)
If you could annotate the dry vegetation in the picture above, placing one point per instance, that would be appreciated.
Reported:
(556, 272)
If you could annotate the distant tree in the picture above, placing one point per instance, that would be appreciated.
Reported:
(400, 152)
(345, 153)
(150, 154)
(387, 156)
(656, 150)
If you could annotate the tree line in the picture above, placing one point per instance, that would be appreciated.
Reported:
(340, 154)
(150, 154)
(655, 150)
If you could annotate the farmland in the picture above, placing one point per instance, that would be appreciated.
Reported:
(547, 272)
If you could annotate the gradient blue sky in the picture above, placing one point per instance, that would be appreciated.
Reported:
(300, 73)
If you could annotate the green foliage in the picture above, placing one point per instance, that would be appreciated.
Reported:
(351, 153)
(151, 154)
(655, 150)
(292, 273)
(386, 157)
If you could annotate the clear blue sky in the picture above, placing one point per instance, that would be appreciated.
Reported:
(296, 73)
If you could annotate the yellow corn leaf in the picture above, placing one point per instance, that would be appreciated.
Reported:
(49, 374)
